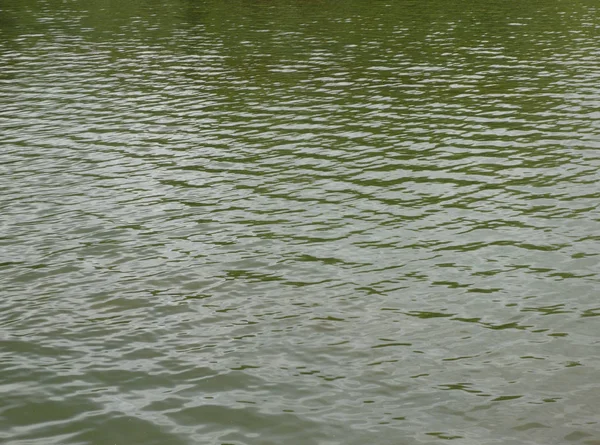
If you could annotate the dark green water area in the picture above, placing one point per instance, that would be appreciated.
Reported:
(299, 222)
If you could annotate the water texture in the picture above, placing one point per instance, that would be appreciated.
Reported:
(299, 222)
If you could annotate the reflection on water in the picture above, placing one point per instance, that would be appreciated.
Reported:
(307, 222)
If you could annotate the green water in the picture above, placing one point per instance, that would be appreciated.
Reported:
(307, 222)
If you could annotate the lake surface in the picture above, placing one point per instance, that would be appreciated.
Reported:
(299, 222)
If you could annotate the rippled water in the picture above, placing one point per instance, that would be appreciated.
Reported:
(299, 222)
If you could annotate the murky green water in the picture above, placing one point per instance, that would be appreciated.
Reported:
(299, 222)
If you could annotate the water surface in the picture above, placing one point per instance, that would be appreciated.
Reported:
(299, 222)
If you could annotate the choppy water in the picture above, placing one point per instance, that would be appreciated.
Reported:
(299, 222)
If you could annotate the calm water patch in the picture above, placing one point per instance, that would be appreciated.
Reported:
(299, 222)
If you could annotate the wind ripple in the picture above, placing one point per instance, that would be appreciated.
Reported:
(299, 224)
